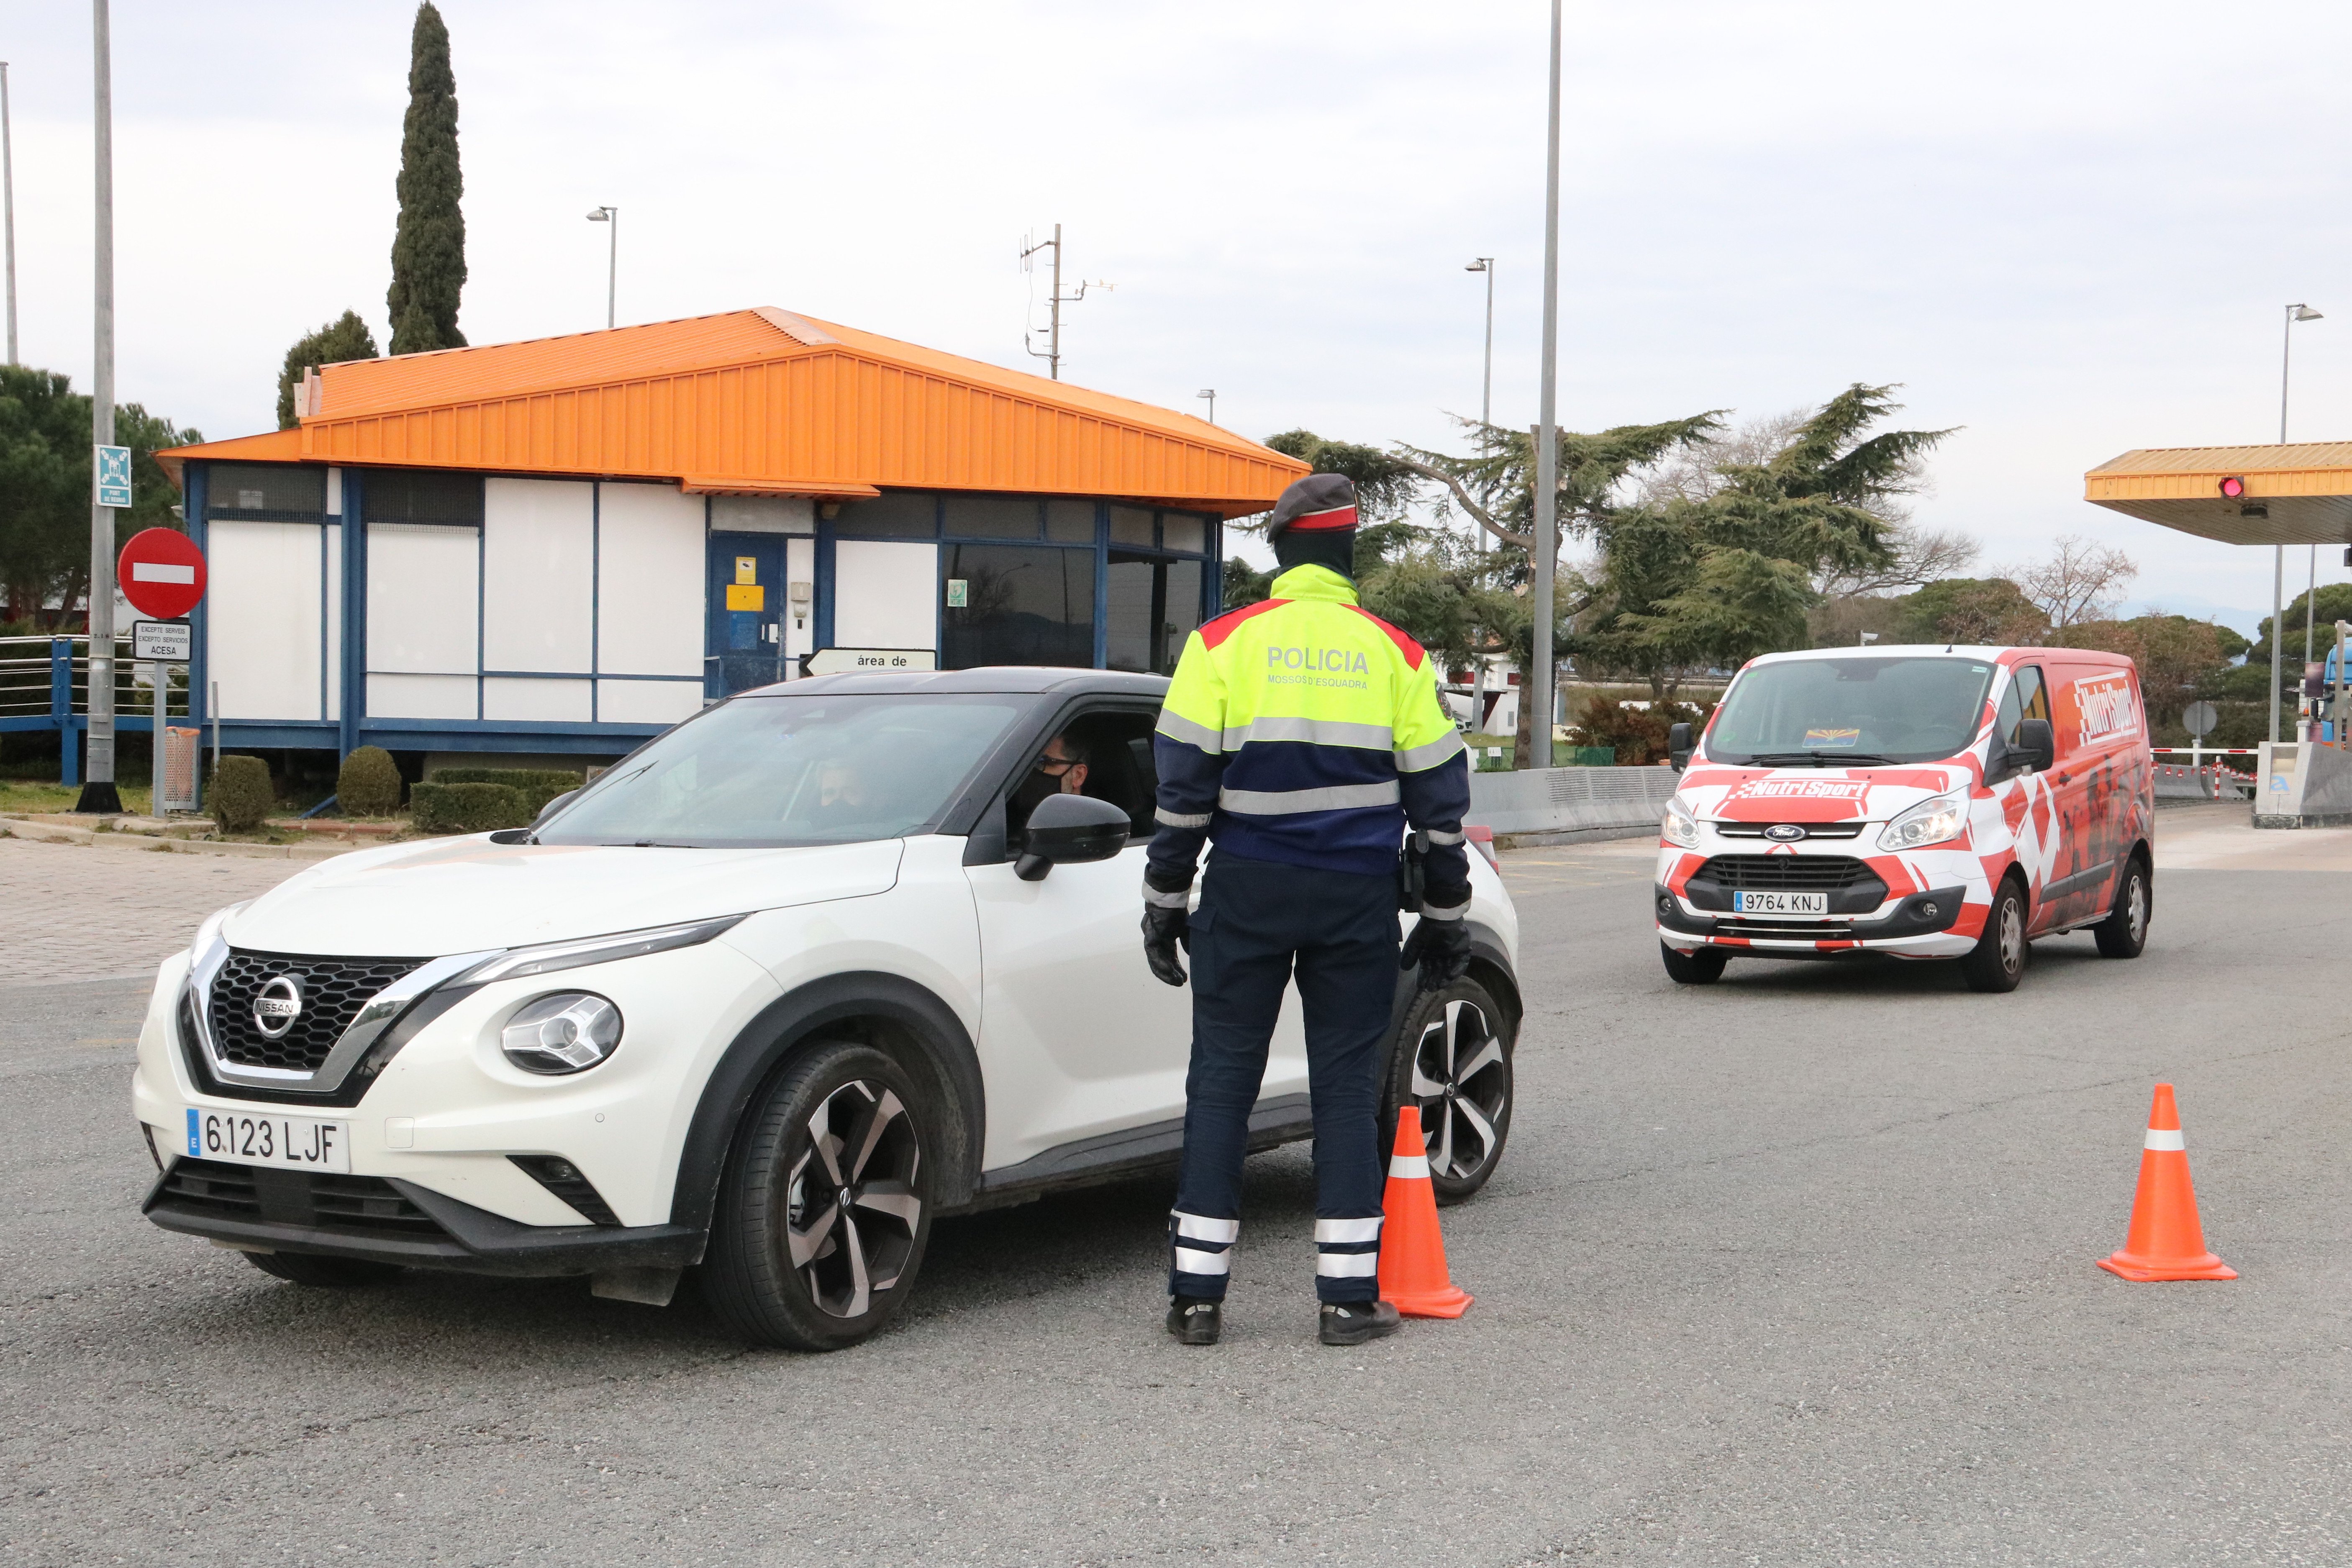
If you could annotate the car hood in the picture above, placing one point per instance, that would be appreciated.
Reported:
(465, 895)
(1819, 795)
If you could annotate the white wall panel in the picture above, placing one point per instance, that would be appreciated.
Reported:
(652, 579)
(334, 597)
(883, 594)
(421, 604)
(538, 575)
(421, 697)
(505, 698)
(262, 617)
(647, 701)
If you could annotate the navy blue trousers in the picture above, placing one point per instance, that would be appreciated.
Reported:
(1258, 925)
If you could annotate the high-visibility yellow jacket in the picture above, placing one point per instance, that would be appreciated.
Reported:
(1305, 729)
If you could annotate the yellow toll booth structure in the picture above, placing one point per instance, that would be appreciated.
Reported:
(2298, 493)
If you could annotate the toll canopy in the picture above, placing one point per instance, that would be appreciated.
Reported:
(2297, 494)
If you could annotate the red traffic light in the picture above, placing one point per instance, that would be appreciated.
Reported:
(2233, 487)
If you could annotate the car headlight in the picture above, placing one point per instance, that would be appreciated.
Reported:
(1937, 821)
(548, 957)
(569, 1032)
(1678, 825)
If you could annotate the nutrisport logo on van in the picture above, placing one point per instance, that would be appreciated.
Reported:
(2105, 706)
(1798, 789)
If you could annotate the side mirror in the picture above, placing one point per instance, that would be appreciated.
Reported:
(552, 806)
(1070, 830)
(1678, 745)
(2035, 745)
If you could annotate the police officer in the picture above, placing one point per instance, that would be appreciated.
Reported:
(1300, 736)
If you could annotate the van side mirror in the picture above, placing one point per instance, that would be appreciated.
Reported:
(1678, 745)
(2035, 745)
(1070, 830)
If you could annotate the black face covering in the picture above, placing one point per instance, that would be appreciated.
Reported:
(1030, 792)
(1331, 547)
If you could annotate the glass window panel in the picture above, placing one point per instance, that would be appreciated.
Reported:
(896, 514)
(1070, 521)
(1179, 612)
(1183, 531)
(1023, 605)
(251, 487)
(1153, 607)
(421, 495)
(992, 517)
(1131, 525)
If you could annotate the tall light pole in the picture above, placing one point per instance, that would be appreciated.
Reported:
(2278, 552)
(97, 792)
(613, 260)
(1485, 264)
(8, 203)
(1542, 678)
(1211, 393)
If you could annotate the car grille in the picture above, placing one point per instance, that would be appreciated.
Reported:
(1785, 930)
(1786, 873)
(333, 991)
(368, 1205)
(1812, 829)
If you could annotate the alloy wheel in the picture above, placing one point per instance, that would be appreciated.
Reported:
(853, 1212)
(1461, 1084)
(2012, 935)
(2137, 911)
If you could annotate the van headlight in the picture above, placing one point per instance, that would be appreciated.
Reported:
(1937, 821)
(571, 1031)
(1678, 825)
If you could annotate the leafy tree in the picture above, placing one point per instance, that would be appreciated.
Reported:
(1245, 584)
(1969, 610)
(429, 247)
(2175, 655)
(345, 338)
(2334, 605)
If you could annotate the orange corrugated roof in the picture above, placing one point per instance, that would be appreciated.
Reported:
(277, 447)
(762, 400)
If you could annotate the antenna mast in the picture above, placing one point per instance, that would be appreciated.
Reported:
(1055, 301)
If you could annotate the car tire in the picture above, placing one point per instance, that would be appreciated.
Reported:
(1998, 962)
(2124, 933)
(1704, 967)
(1451, 1059)
(325, 1273)
(824, 1208)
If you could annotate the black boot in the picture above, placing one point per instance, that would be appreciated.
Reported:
(1353, 1322)
(1194, 1323)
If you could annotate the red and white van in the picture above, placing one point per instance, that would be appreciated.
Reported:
(1926, 802)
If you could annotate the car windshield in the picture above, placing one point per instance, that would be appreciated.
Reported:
(1857, 712)
(771, 771)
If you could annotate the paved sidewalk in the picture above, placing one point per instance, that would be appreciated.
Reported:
(79, 913)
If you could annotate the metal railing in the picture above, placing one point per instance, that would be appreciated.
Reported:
(47, 680)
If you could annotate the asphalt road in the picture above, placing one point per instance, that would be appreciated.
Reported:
(1795, 1269)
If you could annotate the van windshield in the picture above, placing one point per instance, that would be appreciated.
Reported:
(771, 771)
(1850, 712)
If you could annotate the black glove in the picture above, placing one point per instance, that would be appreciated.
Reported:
(1442, 948)
(1164, 927)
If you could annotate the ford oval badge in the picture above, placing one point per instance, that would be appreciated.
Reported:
(1784, 832)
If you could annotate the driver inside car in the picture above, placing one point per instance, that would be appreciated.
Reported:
(1060, 770)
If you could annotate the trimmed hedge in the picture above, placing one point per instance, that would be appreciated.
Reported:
(537, 786)
(240, 795)
(467, 807)
(369, 784)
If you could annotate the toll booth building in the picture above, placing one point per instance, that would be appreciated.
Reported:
(562, 547)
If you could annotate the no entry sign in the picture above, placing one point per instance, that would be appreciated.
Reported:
(161, 572)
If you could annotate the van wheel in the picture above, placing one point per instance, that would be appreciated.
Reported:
(826, 1207)
(1999, 962)
(2124, 931)
(1453, 1061)
(1704, 967)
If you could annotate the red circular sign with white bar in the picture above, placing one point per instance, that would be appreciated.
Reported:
(161, 572)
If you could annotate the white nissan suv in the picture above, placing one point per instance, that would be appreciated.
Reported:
(819, 965)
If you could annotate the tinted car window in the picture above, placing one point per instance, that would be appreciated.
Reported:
(1894, 710)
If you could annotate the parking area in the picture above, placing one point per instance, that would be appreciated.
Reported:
(1795, 1269)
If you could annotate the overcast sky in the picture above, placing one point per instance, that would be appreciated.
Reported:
(2067, 228)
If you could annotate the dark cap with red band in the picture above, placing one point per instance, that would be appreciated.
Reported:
(1315, 502)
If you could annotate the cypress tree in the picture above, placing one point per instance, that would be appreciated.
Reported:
(346, 338)
(428, 249)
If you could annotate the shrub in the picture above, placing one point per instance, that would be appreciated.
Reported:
(439, 807)
(537, 786)
(240, 795)
(369, 784)
(1638, 734)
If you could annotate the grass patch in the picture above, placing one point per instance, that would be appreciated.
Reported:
(27, 794)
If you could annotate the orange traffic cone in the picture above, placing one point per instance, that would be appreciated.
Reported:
(2165, 1241)
(1412, 1254)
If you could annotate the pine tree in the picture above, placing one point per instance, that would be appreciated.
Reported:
(428, 249)
(345, 338)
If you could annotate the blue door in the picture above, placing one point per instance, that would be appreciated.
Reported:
(747, 592)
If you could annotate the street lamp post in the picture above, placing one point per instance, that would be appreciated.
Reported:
(613, 260)
(98, 790)
(2278, 552)
(1211, 393)
(8, 203)
(1485, 264)
(1541, 683)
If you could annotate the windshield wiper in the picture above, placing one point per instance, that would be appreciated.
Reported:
(1818, 759)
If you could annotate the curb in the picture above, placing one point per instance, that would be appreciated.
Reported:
(83, 837)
